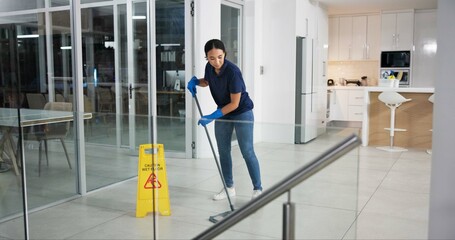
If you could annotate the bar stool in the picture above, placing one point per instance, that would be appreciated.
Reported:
(392, 100)
(431, 99)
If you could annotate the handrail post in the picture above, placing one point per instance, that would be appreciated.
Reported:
(289, 219)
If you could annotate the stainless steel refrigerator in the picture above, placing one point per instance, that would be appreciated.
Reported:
(306, 128)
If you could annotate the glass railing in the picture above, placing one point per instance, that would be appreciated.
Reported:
(283, 187)
(326, 203)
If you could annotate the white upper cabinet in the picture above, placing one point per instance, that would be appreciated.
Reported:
(359, 38)
(306, 19)
(334, 29)
(354, 37)
(373, 47)
(397, 30)
(345, 38)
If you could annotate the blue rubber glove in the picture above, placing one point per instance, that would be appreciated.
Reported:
(192, 85)
(209, 118)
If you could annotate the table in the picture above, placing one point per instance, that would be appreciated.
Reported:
(29, 117)
(419, 110)
(171, 99)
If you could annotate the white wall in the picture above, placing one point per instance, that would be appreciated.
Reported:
(278, 82)
(442, 192)
(253, 56)
(283, 20)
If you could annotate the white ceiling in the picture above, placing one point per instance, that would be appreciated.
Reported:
(365, 6)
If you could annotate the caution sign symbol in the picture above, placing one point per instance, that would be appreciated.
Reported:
(152, 182)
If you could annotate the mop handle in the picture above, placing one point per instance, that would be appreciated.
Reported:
(214, 155)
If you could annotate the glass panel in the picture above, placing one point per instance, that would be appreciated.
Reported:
(48, 153)
(104, 166)
(170, 66)
(99, 73)
(61, 73)
(11, 97)
(230, 32)
(123, 71)
(230, 35)
(17, 5)
(58, 3)
(93, 1)
(140, 72)
(326, 204)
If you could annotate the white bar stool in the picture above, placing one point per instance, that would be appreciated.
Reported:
(431, 99)
(392, 100)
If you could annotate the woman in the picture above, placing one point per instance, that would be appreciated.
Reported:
(234, 112)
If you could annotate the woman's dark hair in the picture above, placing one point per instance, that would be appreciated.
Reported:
(214, 43)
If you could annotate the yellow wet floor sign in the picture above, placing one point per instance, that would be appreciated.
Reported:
(152, 188)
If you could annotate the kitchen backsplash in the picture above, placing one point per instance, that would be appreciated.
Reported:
(354, 70)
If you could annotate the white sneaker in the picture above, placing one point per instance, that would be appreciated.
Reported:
(256, 193)
(222, 194)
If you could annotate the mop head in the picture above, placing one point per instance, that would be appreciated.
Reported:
(219, 217)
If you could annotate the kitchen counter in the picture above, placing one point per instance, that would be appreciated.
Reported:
(381, 89)
(415, 116)
(345, 87)
(400, 89)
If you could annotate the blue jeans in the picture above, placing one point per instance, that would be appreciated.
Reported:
(243, 125)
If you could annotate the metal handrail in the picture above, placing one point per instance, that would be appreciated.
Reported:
(283, 186)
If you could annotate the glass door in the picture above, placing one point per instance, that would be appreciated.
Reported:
(115, 61)
(115, 68)
(170, 74)
(135, 88)
(114, 38)
(231, 31)
(231, 18)
(99, 73)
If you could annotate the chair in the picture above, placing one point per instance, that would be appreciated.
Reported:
(162, 102)
(142, 101)
(392, 100)
(431, 99)
(36, 100)
(59, 98)
(106, 101)
(88, 108)
(53, 131)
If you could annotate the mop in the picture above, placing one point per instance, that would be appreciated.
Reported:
(215, 218)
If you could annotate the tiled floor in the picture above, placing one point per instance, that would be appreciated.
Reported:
(367, 194)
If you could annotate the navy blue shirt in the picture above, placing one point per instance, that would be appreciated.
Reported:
(228, 81)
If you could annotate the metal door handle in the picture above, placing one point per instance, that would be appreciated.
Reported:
(131, 90)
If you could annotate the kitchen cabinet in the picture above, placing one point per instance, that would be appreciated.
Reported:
(334, 29)
(345, 38)
(355, 105)
(359, 38)
(338, 102)
(346, 104)
(373, 47)
(354, 37)
(397, 30)
(306, 17)
(424, 62)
